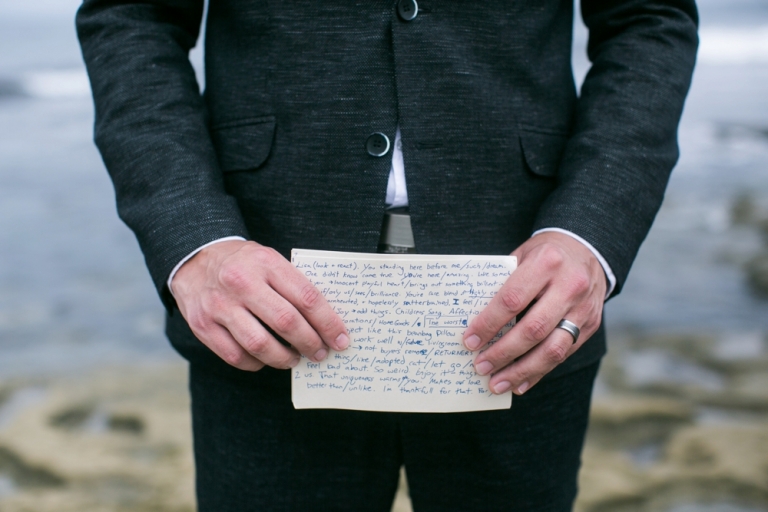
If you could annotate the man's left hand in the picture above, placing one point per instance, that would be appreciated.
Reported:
(566, 281)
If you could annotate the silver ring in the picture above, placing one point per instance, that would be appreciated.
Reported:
(571, 327)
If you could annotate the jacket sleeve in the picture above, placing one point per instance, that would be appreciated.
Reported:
(151, 128)
(623, 146)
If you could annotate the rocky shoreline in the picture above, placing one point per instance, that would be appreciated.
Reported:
(747, 213)
(679, 424)
(679, 421)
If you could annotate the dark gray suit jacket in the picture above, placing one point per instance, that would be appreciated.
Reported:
(495, 140)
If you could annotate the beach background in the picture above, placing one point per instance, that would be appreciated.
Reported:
(93, 403)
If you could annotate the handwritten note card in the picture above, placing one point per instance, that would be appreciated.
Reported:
(406, 315)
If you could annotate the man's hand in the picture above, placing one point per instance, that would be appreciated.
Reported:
(566, 281)
(227, 290)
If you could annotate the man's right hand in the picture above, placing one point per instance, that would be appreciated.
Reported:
(229, 289)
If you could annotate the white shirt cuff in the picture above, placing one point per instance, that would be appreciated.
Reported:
(189, 256)
(606, 267)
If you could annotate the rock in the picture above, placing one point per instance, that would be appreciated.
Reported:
(72, 417)
(712, 461)
(743, 209)
(25, 475)
(757, 274)
(117, 440)
(699, 464)
(628, 421)
(609, 482)
(126, 423)
(763, 227)
(662, 437)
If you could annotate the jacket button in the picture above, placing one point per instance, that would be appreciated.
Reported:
(407, 9)
(377, 144)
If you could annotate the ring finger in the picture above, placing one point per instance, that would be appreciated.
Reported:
(528, 369)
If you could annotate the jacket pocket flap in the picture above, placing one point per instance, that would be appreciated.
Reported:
(244, 145)
(542, 151)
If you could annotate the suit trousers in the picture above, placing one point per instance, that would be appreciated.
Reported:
(254, 451)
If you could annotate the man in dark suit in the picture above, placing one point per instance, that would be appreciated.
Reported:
(291, 146)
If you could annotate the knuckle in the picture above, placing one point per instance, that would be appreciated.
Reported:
(256, 343)
(506, 354)
(198, 322)
(221, 316)
(516, 373)
(309, 297)
(535, 329)
(332, 324)
(512, 299)
(579, 283)
(285, 362)
(264, 255)
(235, 358)
(592, 313)
(486, 325)
(233, 277)
(555, 353)
(286, 320)
(552, 257)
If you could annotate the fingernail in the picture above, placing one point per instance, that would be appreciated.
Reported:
(501, 387)
(523, 388)
(294, 363)
(342, 341)
(320, 354)
(473, 342)
(484, 368)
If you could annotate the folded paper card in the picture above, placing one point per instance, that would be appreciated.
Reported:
(406, 315)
